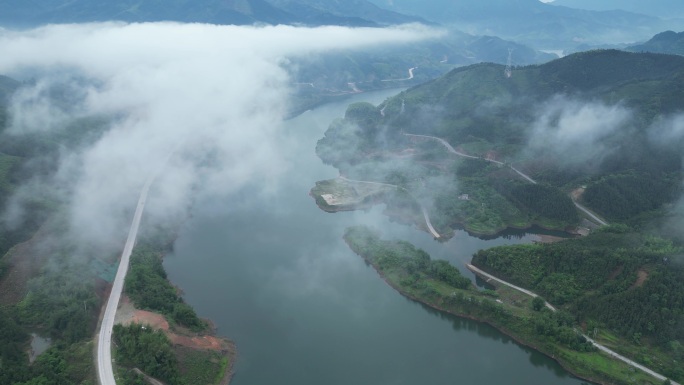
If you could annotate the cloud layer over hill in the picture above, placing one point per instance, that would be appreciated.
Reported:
(194, 104)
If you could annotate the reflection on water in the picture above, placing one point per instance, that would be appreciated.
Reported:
(276, 277)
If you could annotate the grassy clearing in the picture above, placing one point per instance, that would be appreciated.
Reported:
(201, 367)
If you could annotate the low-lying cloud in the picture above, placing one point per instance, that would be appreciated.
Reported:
(577, 133)
(192, 103)
(668, 132)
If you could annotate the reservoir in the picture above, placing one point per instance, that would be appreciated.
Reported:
(272, 272)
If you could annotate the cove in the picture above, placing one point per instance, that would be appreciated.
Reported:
(272, 272)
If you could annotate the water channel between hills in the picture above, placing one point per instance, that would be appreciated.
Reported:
(274, 275)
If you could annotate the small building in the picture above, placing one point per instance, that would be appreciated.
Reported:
(464, 197)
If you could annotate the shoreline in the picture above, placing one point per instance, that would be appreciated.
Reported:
(445, 237)
(501, 328)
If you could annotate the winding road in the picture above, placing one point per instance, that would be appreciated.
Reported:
(596, 344)
(105, 371)
(428, 223)
(530, 293)
(475, 270)
(410, 71)
(523, 175)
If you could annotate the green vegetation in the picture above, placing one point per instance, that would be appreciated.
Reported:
(669, 42)
(629, 177)
(62, 299)
(64, 305)
(540, 200)
(411, 272)
(148, 287)
(615, 280)
(201, 367)
(623, 196)
(138, 346)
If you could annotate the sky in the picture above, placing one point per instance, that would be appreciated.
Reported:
(189, 104)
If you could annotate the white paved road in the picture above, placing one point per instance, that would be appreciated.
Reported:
(590, 214)
(410, 72)
(525, 176)
(104, 342)
(597, 345)
(445, 144)
(475, 270)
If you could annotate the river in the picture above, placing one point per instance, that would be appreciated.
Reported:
(272, 272)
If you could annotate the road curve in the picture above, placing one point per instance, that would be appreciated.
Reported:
(596, 344)
(105, 371)
(525, 176)
(425, 213)
(445, 144)
(410, 71)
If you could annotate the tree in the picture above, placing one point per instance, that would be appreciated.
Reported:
(537, 303)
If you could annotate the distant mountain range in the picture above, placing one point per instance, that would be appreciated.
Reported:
(538, 24)
(661, 8)
(361, 11)
(544, 26)
(667, 42)
(22, 13)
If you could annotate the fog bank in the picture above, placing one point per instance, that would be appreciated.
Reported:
(194, 104)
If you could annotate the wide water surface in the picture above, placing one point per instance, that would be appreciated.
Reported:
(272, 272)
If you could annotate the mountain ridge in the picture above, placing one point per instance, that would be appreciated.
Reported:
(668, 42)
(20, 14)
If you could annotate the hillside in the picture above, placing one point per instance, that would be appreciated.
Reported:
(538, 24)
(318, 76)
(316, 12)
(587, 123)
(661, 8)
(614, 282)
(614, 295)
(18, 13)
(668, 42)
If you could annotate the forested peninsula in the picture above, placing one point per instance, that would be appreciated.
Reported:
(558, 329)
(572, 145)
(485, 152)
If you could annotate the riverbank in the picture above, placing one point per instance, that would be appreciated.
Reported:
(335, 195)
(152, 301)
(505, 309)
(341, 194)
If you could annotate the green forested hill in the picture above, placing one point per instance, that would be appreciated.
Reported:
(666, 42)
(594, 74)
(569, 122)
(590, 122)
(613, 282)
(20, 13)
(600, 127)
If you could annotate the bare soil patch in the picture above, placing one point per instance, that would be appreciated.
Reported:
(577, 193)
(127, 314)
(642, 276)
